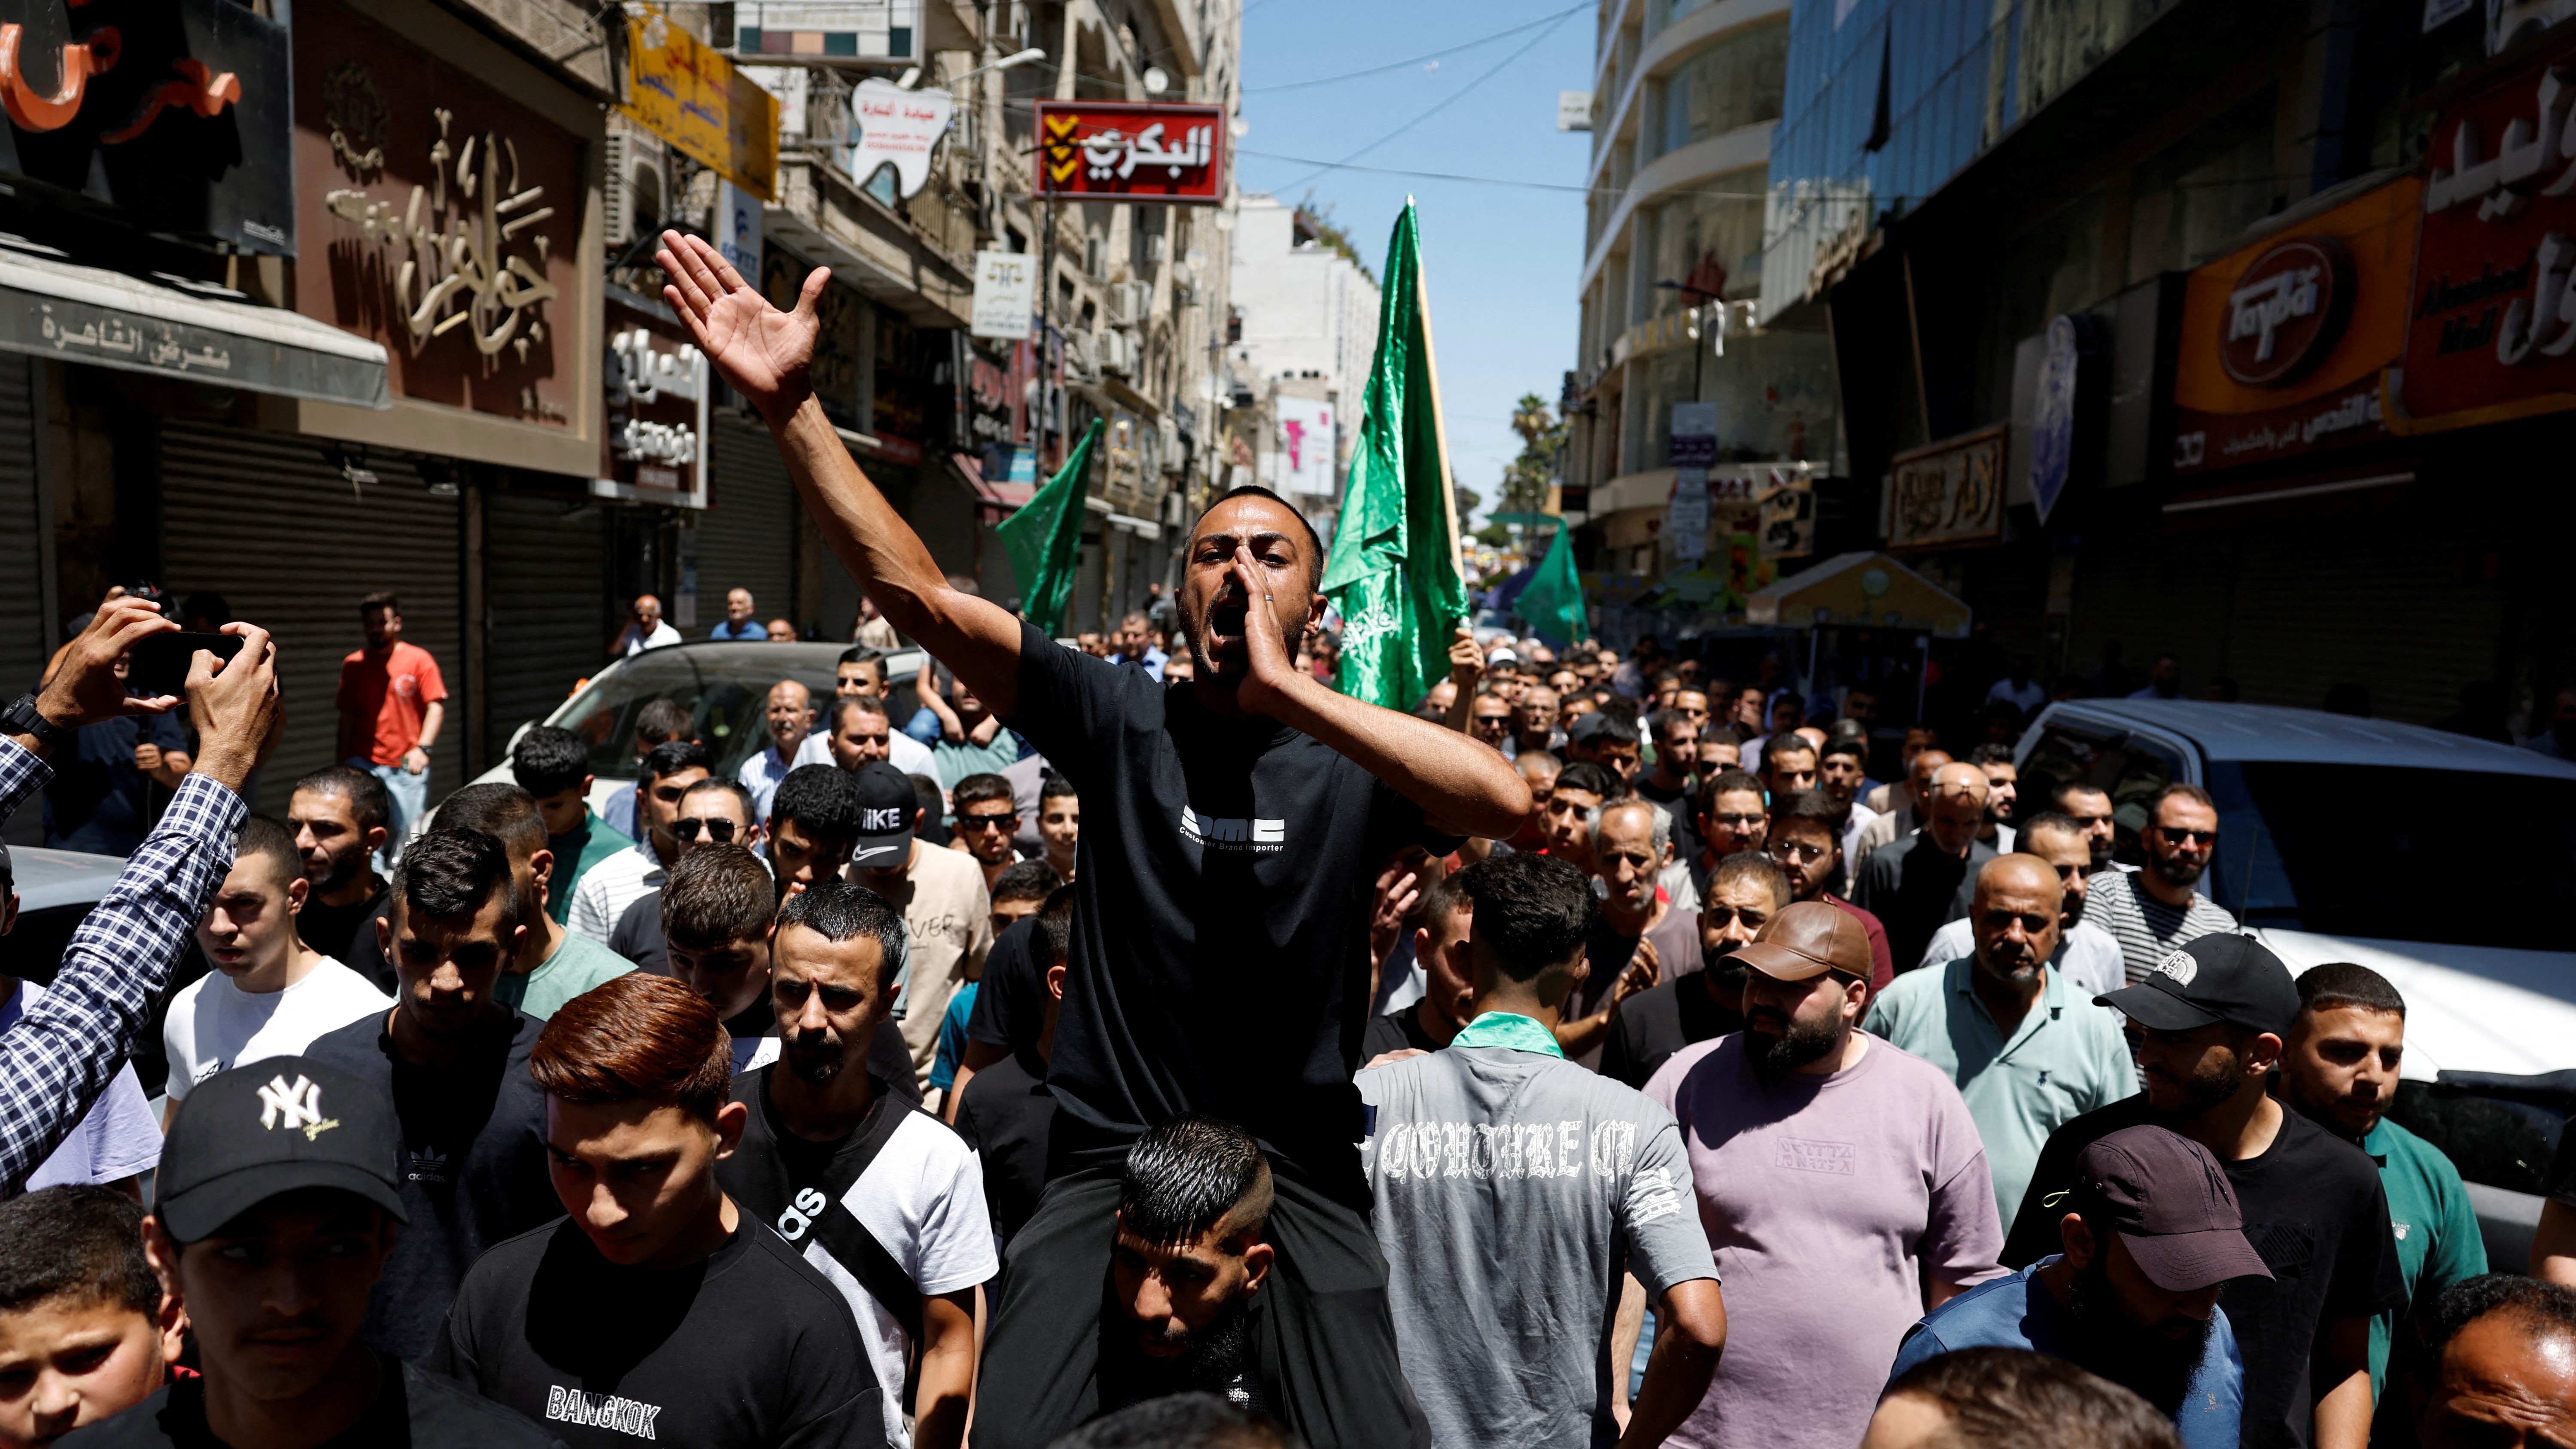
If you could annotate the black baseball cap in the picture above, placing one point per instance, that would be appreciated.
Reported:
(2220, 977)
(276, 1125)
(887, 805)
(2172, 1201)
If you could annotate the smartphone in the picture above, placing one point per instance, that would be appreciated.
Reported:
(158, 663)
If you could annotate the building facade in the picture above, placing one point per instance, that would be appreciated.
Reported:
(1305, 316)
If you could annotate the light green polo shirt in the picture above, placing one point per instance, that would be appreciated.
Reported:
(575, 854)
(577, 965)
(2438, 1242)
(2065, 1058)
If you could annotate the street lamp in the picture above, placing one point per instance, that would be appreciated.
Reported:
(1687, 290)
(912, 74)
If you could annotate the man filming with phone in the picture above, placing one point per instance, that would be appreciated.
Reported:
(100, 799)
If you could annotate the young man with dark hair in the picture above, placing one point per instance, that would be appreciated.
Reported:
(987, 820)
(2152, 911)
(1580, 1178)
(270, 994)
(553, 766)
(696, 1324)
(1448, 979)
(1803, 843)
(1788, 766)
(814, 823)
(2152, 1233)
(452, 1058)
(2339, 1069)
(860, 674)
(85, 1330)
(1842, 768)
(712, 812)
(392, 703)
(880, 1196)
(947, 914)
(669, 769)
(1605, 740)
(659, 722)
(1004, 1111)
(1581, 789)
(1060, 822)
(1732, 815)
(1188, 1256)
(2207, 1029)
(1745, 891)
(551, 965)
(2089, 806)
(278, 1209)
(716, 924)
(2003, 792)
(340, 817)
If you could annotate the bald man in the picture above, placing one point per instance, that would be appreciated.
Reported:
(2028, 1049)
(1906, 815)
(1929, 878)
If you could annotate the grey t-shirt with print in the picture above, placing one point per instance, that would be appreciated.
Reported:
(1513, 1191)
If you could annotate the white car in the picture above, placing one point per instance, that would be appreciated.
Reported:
(2446, 864)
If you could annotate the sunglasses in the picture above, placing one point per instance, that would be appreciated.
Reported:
(719, 831)
(1738, 822)
(988, 822)
(2196, 837)
(1716, 916)
(1792, 850)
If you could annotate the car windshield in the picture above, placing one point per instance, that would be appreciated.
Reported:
(725, 689)
(2372, 851)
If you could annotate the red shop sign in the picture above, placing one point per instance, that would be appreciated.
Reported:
(2492, 333)
(1133, 152)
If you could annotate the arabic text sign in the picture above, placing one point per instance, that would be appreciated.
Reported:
(2493, 333)
(657, 410)
(69, 331)
(1949, 493)
(1006, 292)
(1131, 151)
(694, 98)
(898, 128)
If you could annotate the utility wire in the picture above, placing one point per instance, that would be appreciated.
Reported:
(1417, 60)
(1544, 33)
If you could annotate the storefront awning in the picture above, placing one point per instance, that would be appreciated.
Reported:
(73, 313)
(1860, 591)
(998, 499)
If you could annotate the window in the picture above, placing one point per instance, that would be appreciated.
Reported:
(1734, 83)
(1710, 237)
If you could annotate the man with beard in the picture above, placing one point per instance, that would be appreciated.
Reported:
(1839, 1181)
(2207, 1029)
(1803, 843)
(2152, 911)
(1189, 1255)
(2003, 793)
(2152, 1233)
(2086, 955)
(2340, 1071)
(1745, 892)
(339, 815)
(2089, 806)
(885, 1199)
(1842, 768)
(1928, 879)
(2028, 1051)
(1734, 816)
(1638, 938)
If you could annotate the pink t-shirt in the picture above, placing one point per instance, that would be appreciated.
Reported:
(1820, 1196)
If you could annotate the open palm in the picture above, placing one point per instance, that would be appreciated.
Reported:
(762, 353)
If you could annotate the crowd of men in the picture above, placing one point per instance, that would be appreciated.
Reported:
(1585, 1059)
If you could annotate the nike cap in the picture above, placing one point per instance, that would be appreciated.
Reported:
(887, 806)
(279, 1124)
(2219, 977)
(2172, 1201)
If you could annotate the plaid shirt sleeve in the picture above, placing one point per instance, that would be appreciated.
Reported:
(58, 1057)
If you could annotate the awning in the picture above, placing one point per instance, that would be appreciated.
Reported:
(73, 313)
(1860, 591)
(998, 500)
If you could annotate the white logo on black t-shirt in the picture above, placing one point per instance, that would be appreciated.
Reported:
(799, 1216)
(601, 1411)
(1233, 834)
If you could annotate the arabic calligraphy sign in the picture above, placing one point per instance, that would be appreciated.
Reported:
(693, 98)
(654, 447)
(1949, 493)
(1134, 152)
(2493, 334)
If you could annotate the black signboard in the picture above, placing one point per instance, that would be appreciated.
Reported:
(176, 114)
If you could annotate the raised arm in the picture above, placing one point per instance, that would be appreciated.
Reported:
(765, 354)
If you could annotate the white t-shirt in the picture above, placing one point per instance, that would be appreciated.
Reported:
(908, 754)
(635, 641)
(215, 1026)
(118, 1136)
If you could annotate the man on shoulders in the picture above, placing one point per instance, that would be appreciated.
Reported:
(2152, 911)
(1926, 880)
(2086, 955)
(550, 965)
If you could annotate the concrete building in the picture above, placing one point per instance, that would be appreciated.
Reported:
(1308, 327)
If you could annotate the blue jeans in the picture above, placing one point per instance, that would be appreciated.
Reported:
(408, 794)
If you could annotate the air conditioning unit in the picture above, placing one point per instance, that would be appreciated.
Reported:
(1082, 353)
(632, 191)
(1130, 303)
(1118, 352)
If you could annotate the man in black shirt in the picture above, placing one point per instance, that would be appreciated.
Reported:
(1005, 1111)
(1744, 891)
(879, 1194)
(2208, 1027)
(659, 1310)
(454, 1063)
(277, 1210)
(1219, 960)
(1448, 979)
(1928, 879)
(338, 815)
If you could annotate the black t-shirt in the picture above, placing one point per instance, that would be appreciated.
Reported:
(1010, 1007)
(348, 933)
(474, 1167)
(1394, 1032)
(1914, 890)
(413, 1409)
(748, 1348)
(1007, 1114)
(637, 935)
(1220, 955)
(2313, 1209)
(1655, 1023)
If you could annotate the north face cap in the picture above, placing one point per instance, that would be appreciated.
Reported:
(276, 1125)
(2220, 977)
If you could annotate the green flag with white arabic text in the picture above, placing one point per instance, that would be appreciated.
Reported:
(1045, 536)
(1394, 571)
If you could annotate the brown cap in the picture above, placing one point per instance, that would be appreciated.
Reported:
(1809, 939)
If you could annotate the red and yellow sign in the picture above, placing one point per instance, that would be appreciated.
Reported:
(2283, 343)
(1133, 152)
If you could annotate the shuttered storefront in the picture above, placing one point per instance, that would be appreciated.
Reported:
(747, 538)
(24, 646)
(268, 522)
(546, 596)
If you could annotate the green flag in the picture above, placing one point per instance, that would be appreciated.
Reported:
(1045, 536)
(1394, 571)
(1552, 603)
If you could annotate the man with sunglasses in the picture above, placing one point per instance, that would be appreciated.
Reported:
(608, 888)
(2153, 910)
(988, 820)
(712, 812)
(1805, 845)
(2086, 955)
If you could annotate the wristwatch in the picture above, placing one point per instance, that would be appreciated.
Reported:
(23, 718)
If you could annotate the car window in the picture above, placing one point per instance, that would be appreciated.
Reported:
(33, 950)
(2490, 1140)
(2127, 768)
(725, 690)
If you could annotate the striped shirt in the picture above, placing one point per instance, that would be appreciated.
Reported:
(2146, 928)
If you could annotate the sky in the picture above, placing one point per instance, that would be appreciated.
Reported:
(1500, 261)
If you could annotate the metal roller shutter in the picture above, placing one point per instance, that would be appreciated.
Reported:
(747, 536)
(545, 570)
(265, 520)
(23, 530)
